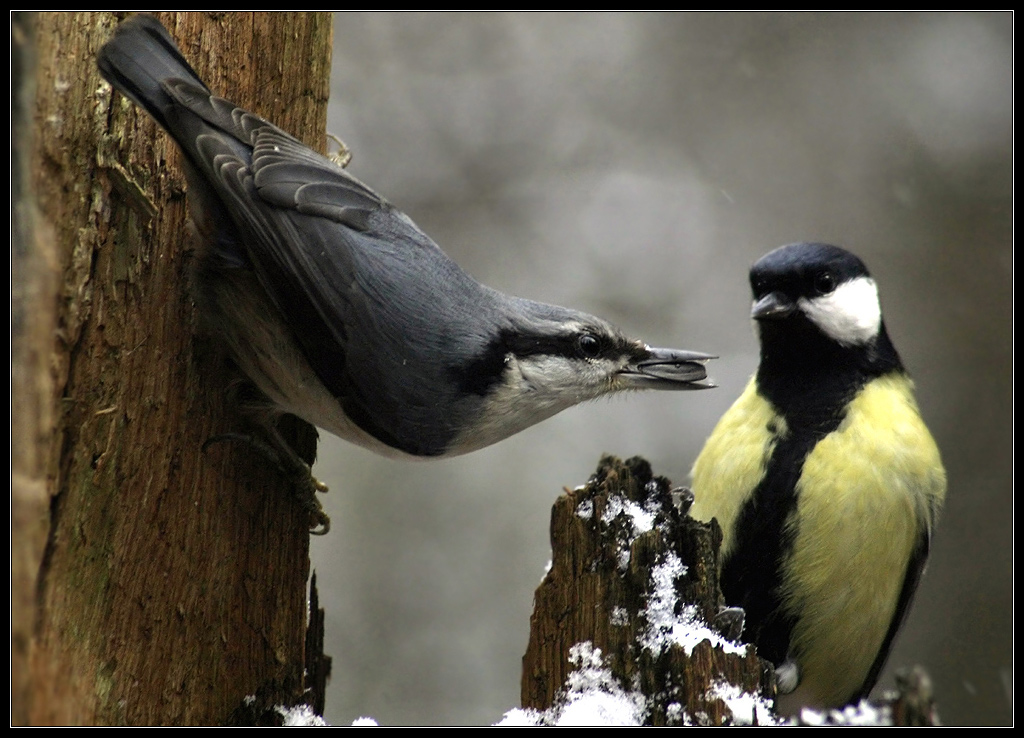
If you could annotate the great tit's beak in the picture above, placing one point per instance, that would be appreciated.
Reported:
(773, 306)
(670, 369)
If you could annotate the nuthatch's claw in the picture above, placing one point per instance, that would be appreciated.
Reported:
(298, 471)
(319, 522)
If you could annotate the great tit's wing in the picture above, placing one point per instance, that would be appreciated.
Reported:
(915, 569)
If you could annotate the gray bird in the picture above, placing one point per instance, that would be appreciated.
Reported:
(340, 310)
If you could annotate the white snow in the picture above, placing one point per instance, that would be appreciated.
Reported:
(300, 716)
(664, 627)
(592, 697)
(862, 714)
(744, 705)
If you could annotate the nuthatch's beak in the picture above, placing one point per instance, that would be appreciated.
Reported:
(669, 369)
(772, 306)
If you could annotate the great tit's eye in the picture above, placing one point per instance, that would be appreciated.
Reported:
(824, 283)
(589, 345)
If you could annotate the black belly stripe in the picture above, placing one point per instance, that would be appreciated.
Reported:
(765, 528)
(752, 574)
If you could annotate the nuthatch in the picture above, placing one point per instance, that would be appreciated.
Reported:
(340, 310)
(824, 478)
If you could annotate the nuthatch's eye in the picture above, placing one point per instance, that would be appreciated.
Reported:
(589, 345)
(824, 283)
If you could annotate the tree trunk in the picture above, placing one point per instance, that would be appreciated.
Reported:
(173, 582)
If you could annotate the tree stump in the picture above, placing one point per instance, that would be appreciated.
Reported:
(636, 578)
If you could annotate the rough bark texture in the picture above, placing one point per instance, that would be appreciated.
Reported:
(599, 587)
(174, 581)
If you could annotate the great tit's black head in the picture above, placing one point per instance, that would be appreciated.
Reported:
(817, 287)
(819, 322)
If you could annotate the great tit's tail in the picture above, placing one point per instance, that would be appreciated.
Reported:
(139, 59)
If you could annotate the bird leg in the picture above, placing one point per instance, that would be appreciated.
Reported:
(284, 457)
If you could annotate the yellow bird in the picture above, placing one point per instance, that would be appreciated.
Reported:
(824, 478)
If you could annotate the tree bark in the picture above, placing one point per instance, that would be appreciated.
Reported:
(173, 582)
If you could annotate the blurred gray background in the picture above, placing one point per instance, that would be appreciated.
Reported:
(634, 166)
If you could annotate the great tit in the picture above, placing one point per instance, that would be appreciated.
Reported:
(824, 479)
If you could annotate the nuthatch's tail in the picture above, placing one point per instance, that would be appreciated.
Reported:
(139, 59)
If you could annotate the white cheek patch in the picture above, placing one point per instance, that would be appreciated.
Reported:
(850, 315)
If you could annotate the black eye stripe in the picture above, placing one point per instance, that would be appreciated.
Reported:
(480, 374)
(580, 344)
